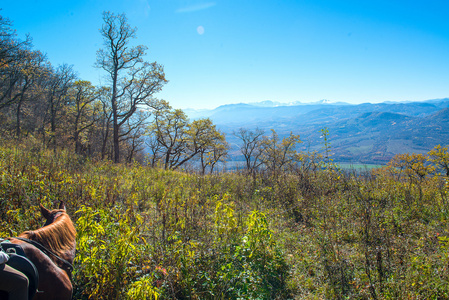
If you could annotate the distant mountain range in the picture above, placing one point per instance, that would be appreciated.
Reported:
(363, 133)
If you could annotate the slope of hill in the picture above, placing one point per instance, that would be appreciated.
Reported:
(368, 133)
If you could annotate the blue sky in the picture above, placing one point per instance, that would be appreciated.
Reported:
(232, 51)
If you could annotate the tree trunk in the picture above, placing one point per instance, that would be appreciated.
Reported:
(115, 129)
(53, 123)
(19, 106)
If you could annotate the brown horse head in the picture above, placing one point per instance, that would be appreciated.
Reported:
(50, 215)
(57, 237)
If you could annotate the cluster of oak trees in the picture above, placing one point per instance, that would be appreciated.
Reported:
(115, 121)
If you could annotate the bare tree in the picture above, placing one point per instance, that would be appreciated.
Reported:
(133, 81)
(251, 146)
(105, 121)
(154, 147)
(132, 134)
(9, 43)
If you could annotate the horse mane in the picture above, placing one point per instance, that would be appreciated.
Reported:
(58, 236)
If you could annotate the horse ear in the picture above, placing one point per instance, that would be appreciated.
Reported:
(61, 205)
(45, 212)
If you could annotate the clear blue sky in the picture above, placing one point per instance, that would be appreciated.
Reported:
(232, 51)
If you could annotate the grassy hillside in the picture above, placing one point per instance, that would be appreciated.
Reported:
(308, 234)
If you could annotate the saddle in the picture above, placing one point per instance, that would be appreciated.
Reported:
(19, 261)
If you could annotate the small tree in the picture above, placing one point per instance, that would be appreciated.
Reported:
(208, 142)
(154, 148)
(251, 147)
(440, 157)
(178, 141)
(278, 154)
(170, 130)
(326, 147)
(414, 167)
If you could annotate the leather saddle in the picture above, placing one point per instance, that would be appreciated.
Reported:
(19, 261)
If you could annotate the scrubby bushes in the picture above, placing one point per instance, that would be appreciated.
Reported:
(145, 233)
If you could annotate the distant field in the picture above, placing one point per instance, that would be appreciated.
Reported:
(240, 165)
(356, 166)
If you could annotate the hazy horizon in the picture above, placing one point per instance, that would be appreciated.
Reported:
(322, 101)
(224, 52)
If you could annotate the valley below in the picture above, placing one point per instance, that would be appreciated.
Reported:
(364, 133)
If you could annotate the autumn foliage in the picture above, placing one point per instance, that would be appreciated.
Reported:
(150, 233)
(287, 225)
